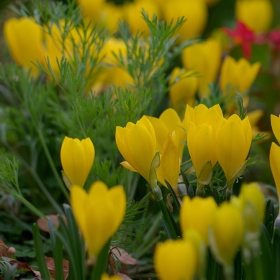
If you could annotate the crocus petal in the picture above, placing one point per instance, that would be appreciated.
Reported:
(77, 158)
(231, 149)
(275, 124)
(98, 213)
(274, 159)
(175, 260)
(198, 214)
(169, 164)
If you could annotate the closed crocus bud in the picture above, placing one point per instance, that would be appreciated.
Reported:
(195, 11)
(205, 59)
(256, 14)
(98, 213)
(198, 214)
(226, 235)
(201, 145)
(183, 89)
(232, 147)
(24, 38)
(76, 157)
(176, 260)
(137, 144)
(237, 76)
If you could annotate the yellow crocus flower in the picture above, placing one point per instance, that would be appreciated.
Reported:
(176, 260)
(105, 276)
(201, 145)
(91, 9)
(98, 213)
(200, 114)
(275, 124)
(137, 144)
(169, 168)
(237, 76)
(24, 38)
(76, 157)
(195, 11)
(198, 214)
(226, 234)
(232, 147)
(274, 160)
(204, 59)
(183, 91)
(134, 18)
(256, 14)
(169, 122)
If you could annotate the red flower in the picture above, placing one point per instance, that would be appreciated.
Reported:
(243, 36)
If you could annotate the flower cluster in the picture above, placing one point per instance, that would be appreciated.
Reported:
(209, 136)
(226, 229)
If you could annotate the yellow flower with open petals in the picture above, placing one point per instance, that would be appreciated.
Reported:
(77, 157)
(237, 75)
(98, 213)
(137, 144)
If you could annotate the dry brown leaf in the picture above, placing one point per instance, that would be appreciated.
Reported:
(43, 222)
(124, 276)
(51, 267)
(123, 256)
(21, 265)
(5, 250)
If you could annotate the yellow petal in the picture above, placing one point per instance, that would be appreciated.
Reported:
(274, 159)
(98, 213)
(77, 159)
(198, 213)
(25, 41)
(169, 168)
(257, 14)
(175, 260)
(231, 148)
(275, 124)
(227, 233)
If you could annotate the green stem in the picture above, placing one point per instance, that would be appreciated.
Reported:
(167, 219)
(36, 178)
(40, 253)
(257, 267)
(51, 163)
(30, 206)
(101, 262)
